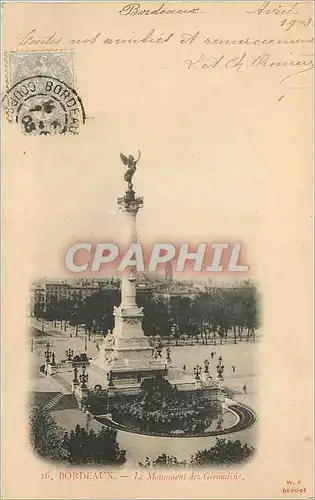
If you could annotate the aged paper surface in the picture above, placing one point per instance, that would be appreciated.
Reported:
(217, 97)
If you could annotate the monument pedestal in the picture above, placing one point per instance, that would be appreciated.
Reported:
(83, 393)
(128, 360)
(126, 356)
(51, 369)
(198, 384)
(74, 387)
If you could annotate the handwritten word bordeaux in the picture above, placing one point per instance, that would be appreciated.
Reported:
(134, 9)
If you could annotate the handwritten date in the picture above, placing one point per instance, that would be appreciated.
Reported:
(269, 9)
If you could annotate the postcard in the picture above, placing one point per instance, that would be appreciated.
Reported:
(157, 250)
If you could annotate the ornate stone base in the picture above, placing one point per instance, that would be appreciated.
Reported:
(127, 346)
(129, 372)
(126, 356)
(51, 369)
(126, 351)
(129, 361)
(74, 387)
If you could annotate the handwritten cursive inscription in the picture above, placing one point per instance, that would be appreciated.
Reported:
(134, 9)
(150, 38)
(190, 38)
(243, 51)
(31, 38)
(288, 22)
(244, 62)
(265, 8)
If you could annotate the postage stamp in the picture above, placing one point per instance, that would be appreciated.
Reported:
(40, 93)
(44, 105)
(21, 65)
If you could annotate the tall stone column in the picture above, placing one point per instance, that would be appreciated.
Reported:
(126, 354)
(128, 283)
(128, 316)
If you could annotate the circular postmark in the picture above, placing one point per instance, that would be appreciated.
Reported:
(43, 105)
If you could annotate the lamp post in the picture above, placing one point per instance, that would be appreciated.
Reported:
(168, 354)
(206, 364)
(69, 354)
(85, 342)
(197, 371)
(83, 378)
(75, 373)
(220, 368)
(158, 350)
(110, 378)
(75, 381)
(48, 353)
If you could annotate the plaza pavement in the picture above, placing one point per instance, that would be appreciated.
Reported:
(244, 356)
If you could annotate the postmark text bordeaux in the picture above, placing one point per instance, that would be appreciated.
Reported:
(44, 105)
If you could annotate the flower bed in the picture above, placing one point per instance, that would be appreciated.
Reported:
(161, 409)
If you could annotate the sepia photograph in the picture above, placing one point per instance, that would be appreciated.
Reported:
(119, 362)
(157, 208)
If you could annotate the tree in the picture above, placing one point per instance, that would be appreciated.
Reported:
(157, 320)
(251, 311)
(91, 448)
(46, 437)
(75, 312)
(224, 452)
(38, 310)
(163, 461)
(183, 314)
(52, 309)
(216, 311)
(64, 311)
(97, 311)
(153, 388)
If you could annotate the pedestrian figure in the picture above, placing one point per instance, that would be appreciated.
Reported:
(245, 388)
(212, 354)
(184, 368)
(233, 368)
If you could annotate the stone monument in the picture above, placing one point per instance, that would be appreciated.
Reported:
(126, 353)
